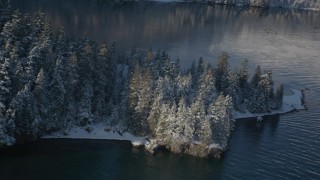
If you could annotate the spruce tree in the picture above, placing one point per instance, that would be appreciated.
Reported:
(5, 84)
(222, 119)
(72, 97)
(57, 95)
(101, 96)
(155, 113)
(256, 78)
(11, 32)
(5, 13)
(144, 101)
(21, 112)
(133, 99)
(207, 89)
(86, 68)
(279, 97)
(42, 103)
(221, 73)
(181, 123)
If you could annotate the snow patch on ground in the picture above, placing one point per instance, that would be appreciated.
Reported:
(98, 131)
(290, 102)
(215, 146)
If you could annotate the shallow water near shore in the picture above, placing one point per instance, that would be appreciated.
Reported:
(280, 147)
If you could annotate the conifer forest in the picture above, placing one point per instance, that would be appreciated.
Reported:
(50, 81)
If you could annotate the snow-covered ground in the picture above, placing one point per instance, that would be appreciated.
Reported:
(291, 101)
(98, 131)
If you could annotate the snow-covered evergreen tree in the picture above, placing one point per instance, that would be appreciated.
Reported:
(140, 97)
(155, 112)
(11, 32)
(21, 112)
(244, 88)
(184, 87)
(256, 78)
(194, 74)
(5, 84)
(182, 125)
(102, 85)
(221, 73)
(234, 90)
(5, 12)
(57, 95)
(243, 75)
(162, 130)
(42, 103)
(86, 71)
(6, 138)
(207, 90)
(133, 98)
(278, 97)
(198, 112)
(267, 88)
(72, 97)
(221, 118)
(144, 100)
(41, 48)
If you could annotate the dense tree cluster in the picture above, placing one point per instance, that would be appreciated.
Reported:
(49, 82)
(196, 105)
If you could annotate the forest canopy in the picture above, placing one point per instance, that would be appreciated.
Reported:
(50, 82)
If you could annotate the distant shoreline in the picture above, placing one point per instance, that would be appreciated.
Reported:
(308, 6)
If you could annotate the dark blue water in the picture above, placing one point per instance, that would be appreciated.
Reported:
(281, 147)
(96, 159)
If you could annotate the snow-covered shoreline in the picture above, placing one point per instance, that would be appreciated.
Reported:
(98, 131)
(292, 101)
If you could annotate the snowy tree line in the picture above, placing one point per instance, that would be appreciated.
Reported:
(50, 82)
(196, 105)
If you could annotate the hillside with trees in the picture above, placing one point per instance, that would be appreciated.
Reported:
(50, 82)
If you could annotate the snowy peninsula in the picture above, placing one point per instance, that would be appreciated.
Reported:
(291, 102)
(52, 84)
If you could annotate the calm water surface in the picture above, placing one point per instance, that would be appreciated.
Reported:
(281, 147)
